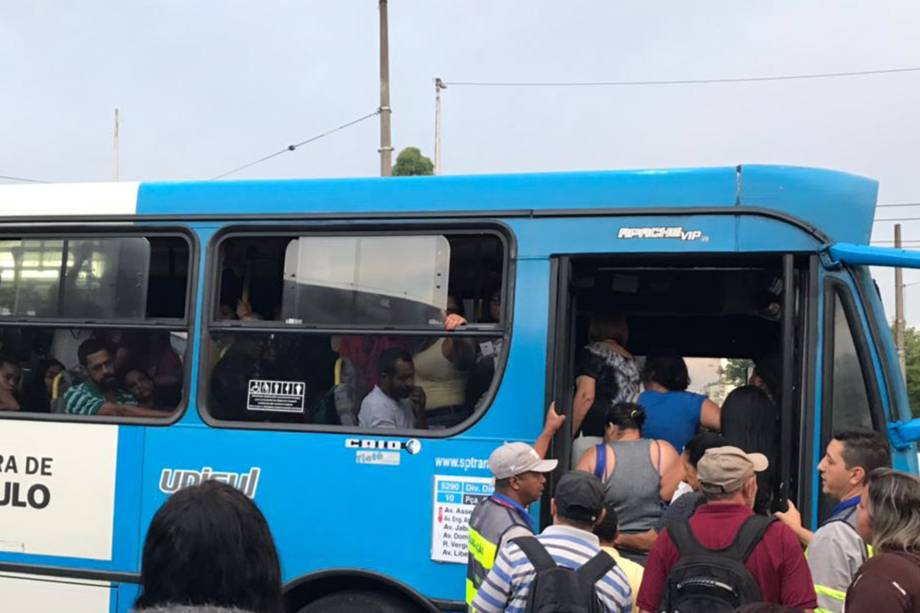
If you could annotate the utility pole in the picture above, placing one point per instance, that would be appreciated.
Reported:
(438, 86)
(899, 306)
(115, 149)
(386, 148)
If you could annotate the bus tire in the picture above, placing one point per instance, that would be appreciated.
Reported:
(361, 601)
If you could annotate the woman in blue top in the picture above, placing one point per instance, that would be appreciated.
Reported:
(673, 413)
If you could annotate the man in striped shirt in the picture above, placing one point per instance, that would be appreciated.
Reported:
(100, 394)
(577, 506)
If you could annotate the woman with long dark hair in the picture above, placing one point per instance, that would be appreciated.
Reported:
(750, 421)
(37, 393)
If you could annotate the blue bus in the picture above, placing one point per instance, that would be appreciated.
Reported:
(161, 334)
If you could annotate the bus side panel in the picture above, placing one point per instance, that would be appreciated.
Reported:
(44, 594)
(339, 500)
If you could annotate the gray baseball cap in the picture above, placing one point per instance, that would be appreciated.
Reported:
(515, 458)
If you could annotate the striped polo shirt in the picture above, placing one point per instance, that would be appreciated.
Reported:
(87, 399)
(508, 583)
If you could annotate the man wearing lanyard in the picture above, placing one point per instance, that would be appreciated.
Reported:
(836, 551)
(520, 474)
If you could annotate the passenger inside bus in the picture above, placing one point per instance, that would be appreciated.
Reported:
(101, 392)
(291, 282)
(10, 374)
(710, 310)
(674, 414)
(39, 389)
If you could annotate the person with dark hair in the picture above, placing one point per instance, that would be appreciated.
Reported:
(577, 506)
(209, 545)
(836, 550)
(100, 393)
(607, 532)
(684, 506)
(37, 392)
(889, 518)
(639, 475)
(141, 387)
(750, 421)
(395, 402)
(674, 414)
(606, 374)
(768, 374)
(10, 374)
(775, 562)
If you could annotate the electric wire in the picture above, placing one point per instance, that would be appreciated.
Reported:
(296, 145)
(819, 75)
(21, 179)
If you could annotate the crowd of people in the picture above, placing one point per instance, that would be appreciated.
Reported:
(687, 502)
(117, 372)
(209, 548)
(711, 550)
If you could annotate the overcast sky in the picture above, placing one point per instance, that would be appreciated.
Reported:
(208, 85)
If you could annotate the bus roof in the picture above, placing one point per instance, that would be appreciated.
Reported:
(839, 205)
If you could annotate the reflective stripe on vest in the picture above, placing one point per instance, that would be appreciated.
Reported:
(831, 600)
(488, 524)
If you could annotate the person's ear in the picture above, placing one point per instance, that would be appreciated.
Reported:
(858, 477)
(552, 507)
(601, 517)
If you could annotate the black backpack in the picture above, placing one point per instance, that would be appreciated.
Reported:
(713, 580)
(557, 589)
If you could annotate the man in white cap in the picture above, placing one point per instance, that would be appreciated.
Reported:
(520, 475)
(773, 556)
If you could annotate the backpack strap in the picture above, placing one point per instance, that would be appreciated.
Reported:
(535, 552)
(683, 538)
(600, 460)
(594, 569)
(749, 534)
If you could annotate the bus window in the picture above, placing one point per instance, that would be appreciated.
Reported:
(300, 324)
(848, 394)
(93, 325)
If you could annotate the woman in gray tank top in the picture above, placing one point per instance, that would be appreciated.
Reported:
(639, 476)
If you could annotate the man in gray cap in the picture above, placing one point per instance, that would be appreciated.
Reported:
(577, 506)
(728, 481)
(520, 474)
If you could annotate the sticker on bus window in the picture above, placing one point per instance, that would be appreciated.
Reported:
(454, 501)
(284, 396)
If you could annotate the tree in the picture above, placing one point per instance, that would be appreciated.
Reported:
(912, 374)
(736, 371)
(410, 162)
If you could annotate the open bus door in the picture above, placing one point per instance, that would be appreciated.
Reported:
(560, 368)
(903, 431)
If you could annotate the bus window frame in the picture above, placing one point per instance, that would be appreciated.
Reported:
(836, 288)
(390, 227)
(185, 324)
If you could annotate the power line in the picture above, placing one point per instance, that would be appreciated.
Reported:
(296, 145)
(21, 179)
(820, 75)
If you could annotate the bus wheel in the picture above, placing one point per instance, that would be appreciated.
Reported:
(361, 601)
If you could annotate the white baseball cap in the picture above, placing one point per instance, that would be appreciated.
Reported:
(515, 458)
